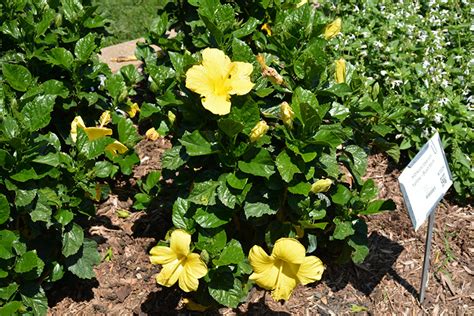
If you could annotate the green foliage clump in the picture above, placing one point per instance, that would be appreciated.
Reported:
(49, 73)
(236, 188)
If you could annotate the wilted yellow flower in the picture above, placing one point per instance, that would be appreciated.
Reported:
(152, 134)
(116, 148)
(105, 118)
(269, 72)
(265, 27)
(332, 29)
(92, 132)
(287, 267)
(340, 71)
(258, 131)
(133, 109)
(179, 264)
(193, 306)
(217, 78)
(287, 114)
(322, 185)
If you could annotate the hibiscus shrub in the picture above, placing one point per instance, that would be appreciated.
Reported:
(266, 174)
(53, 172)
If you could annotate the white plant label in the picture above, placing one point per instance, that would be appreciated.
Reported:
(425, 181)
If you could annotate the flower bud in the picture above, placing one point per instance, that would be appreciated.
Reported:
(258, 131)
(171, 117)
(105, 118)
(340, 71)
(133, 109)
(322, 185)
(287, 114)
(332, 29)
(265, 27)
(152, 134)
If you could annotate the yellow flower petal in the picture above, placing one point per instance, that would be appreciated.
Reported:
(193, 306)
(258, 131)
(289, 250)
(94, 133)
(287, 281)
(217, 104)
(259, 260)
(266, 279)
(265, 27)
(76, 122)
(105, 118)
(216, 63)
(239, 78)
(152, 134)
(194, 269)
(116, 148)
(197, 80)
(170, 273)
(332, 29)
(133, 109)
(180, 241)
(310, 270)
(340, 70)
(162, 255)
(287, 114)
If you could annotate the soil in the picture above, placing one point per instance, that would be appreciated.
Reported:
(387, 283)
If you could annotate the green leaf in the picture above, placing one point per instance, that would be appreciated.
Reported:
(128, 134)
(8, 291)
(181, 216)
(91, 148)
(245, 111)
(342, 196)
(72, 240)
(212, 217)
(247, 28)
(11, 308)
(378, 206)
(359, 242)
(258, 209)
(25, 175)
(81, 264)
(286, 167)
(33, 296)
(232, 254)
(28, 261)
(241, 51)
(225, 196)
(17, 76)
(116, 87)
(360, 159)
(236, 182)
(72, 9)
(50, 159)
(211, 240)
(301, 188)
(64, 217)
(230, 127)
(85, 47)
(4, 209)
(61, 57)
(261, 165)
(23, 197)
(36, 113)
(6, 160)
(368, 191)
(225, 289)
(328, 137)
(174, 158)
(7, 240)
(343, 229)
(196, 144)
(105, 169)
(204, 193)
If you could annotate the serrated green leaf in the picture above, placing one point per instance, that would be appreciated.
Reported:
(378, 206)
(7, 241)
(24, 197)
(36, 113)
(301, 188)
(85, 47)
(64, 217)
(225, 196)
(11, 308)
(211, 240)
(212, 217)
(8, 291)
(359, 158)
(105, 169)
(343, 229)
(236, 182)
(72, 240)
(225, 289)
(230, 127)
(181, 216)
(34, 299)
(368, 191)
(61, 57)
(50, 159)
(82, 263)
(196, 144)
(342, 196)
(128, 134)
(28, 261)
(261, 165)
(258, 209)
(17, 76)
(174, 158)
(204, 193)
(232, 254)
(286, 167)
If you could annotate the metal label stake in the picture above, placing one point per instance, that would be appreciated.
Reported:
(426, 262)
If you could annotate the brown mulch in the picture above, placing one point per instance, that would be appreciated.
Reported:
(387, 283)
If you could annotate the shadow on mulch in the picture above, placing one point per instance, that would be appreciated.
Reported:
(163, 302)
(365, 277)
(261, 308)
(80, 292)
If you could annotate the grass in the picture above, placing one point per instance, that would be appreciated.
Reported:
(129, 19)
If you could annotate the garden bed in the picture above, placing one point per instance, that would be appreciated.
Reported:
(386, 283)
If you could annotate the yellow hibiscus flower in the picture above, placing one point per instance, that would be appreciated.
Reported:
(152, 134)
(116, 148)
(92, 132)
(322, 185)
(258, 131)
(285, 268)
(217, 78)
(179, 264)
